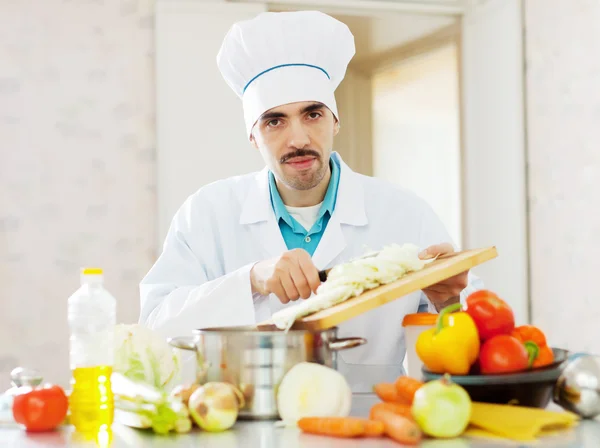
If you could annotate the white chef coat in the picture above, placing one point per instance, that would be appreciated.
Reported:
(202, 277)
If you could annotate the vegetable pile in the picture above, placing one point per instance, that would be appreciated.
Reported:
(478, 338)
(481, 338)
(146, 394)
(317, 399)
(409, 410)
(438, 408)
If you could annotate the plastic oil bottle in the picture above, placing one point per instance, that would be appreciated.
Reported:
(92, 320)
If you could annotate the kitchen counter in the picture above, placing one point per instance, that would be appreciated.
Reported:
(266, 435)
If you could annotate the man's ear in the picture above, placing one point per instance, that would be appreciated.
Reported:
(336, 127)
(253, 141)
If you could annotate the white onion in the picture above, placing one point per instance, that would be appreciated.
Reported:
(313, 390)
(214, 406)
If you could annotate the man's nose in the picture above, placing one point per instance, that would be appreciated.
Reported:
(298, 137)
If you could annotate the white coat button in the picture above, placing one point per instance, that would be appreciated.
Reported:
(307, 239)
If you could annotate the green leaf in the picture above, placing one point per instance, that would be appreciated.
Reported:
(164, 420)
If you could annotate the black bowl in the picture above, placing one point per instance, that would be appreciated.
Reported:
(532, 388)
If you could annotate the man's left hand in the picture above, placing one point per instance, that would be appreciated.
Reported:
(447, 291)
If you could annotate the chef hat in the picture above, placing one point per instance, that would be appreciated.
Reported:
(285, 57)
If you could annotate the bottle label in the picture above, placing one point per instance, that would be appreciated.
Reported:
(92, 349)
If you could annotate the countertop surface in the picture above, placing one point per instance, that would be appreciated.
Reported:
(267, 435)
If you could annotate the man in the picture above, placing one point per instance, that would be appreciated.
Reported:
(242, 248)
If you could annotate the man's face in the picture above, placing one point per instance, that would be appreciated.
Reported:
(295, 141)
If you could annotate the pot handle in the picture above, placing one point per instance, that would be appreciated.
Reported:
(183, 342)
(345, 343)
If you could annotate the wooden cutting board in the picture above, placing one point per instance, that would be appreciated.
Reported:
(434, 272)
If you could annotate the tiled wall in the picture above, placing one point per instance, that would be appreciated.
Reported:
(563, 137)
(77, 166)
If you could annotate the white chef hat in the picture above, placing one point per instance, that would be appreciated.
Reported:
(285, 57)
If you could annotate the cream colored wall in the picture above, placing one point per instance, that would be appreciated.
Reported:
(77, 166)
(354, 142)
(416, 130)
(563, 138)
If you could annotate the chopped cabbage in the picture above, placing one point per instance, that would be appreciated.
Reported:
(143, 355)
(353, 278)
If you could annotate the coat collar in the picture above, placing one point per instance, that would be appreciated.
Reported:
(349, 208)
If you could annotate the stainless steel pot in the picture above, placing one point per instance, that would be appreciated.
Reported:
(256, 361)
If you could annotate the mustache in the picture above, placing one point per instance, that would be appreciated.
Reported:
(299, 153)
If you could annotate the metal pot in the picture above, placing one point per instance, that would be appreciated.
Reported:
(256, 361)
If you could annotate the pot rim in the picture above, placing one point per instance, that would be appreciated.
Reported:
(252, 330)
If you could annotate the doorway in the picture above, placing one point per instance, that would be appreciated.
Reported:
(416, 131)
(400, 110)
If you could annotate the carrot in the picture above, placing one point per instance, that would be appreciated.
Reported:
(399, 428)
(373, 428)
(340, 426)
(397, 408)
(407, 387)
(388, 393)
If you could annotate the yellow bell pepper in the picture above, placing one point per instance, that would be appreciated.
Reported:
(452, 346)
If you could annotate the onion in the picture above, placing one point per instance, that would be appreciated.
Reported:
(184, 392)
(214, 406)
(442, 408)
(313, 390)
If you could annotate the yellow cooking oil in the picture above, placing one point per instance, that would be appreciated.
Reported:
(91, 401)
(92, 320)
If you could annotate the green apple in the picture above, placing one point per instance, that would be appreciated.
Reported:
(442, 408)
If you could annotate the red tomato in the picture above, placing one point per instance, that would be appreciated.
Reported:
(503, 354)
(492, 315)
(41, 408)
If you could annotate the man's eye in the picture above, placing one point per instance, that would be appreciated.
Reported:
(273, 123)
(314, 115)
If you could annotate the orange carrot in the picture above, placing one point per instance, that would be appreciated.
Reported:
(400, 428)
(388, 393)
(407, 387)
(338, 426)
(397, 408)
(374, 428)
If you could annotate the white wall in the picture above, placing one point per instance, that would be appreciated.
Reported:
(495, 197)
(416, 131)
(563, 145)
(77, 167)
(200, 126)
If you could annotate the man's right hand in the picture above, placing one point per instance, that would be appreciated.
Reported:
(290, 276)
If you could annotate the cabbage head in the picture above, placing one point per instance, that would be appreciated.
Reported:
(141, 354)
